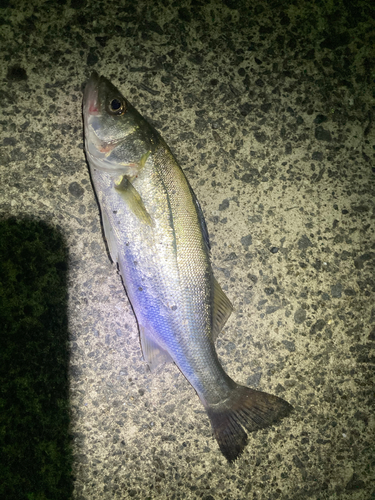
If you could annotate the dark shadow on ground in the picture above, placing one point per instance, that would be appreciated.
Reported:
(35, 453)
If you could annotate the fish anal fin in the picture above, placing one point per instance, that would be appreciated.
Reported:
(221, 309)
(132, 199)
(110, 237)
(244, 410)
(153, 354)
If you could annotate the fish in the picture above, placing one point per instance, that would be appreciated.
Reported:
(157, 235)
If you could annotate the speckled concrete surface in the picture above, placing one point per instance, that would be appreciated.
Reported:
(269, 107)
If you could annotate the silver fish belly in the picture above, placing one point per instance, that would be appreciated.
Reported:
(156, 233)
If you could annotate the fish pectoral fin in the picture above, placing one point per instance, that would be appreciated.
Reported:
(110, 237)
(221, 310)
(132, 199)
(143, 160)
(153, 354)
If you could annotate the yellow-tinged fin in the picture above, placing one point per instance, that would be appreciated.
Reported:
(153, 354)
(221, 309)
(133, 200)
(143, 160)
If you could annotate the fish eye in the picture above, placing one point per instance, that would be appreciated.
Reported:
(117, 107)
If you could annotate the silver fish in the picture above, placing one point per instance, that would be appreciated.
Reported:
(156, 233)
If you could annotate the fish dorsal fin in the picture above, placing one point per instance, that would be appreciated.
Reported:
(153, 354)
(202, 223)
(132, 199)
(201, 219)
(110, 237)
(221, 309)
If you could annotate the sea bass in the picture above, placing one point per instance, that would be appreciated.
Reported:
(156, 233)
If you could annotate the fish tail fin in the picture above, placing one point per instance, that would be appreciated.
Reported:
(247, 409)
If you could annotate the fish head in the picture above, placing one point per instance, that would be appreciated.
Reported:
(118, 139)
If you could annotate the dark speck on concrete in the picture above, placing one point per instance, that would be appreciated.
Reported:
(75, 189)
(254, 379)
(336, 290)
(271, 309)
(260, 137)
(317, 265)
(288, 148)
(335, 40)
(231, 256)
(317, 156)
(265, 107)
(252, 278)
(320, 119)
(224, 205)
(16, 73)
(300, 316)
(75, 371)
(318, 326)
(355, 483)
(246, 108)
(246, 241)
(251, 176)
(289, 344)
(362, 259)
(102, 40)
(304, 242)
(92, 57)
(9, 141)
(322, 134)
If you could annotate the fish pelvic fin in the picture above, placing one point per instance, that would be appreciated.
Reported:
(153, 354)
(245, 410)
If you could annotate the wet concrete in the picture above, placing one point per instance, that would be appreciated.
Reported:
(269, 108)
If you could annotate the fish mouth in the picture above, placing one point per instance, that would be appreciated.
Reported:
(90, 96)
(91, 110)
(97, 150)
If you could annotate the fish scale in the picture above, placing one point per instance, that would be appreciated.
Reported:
(157, 235)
